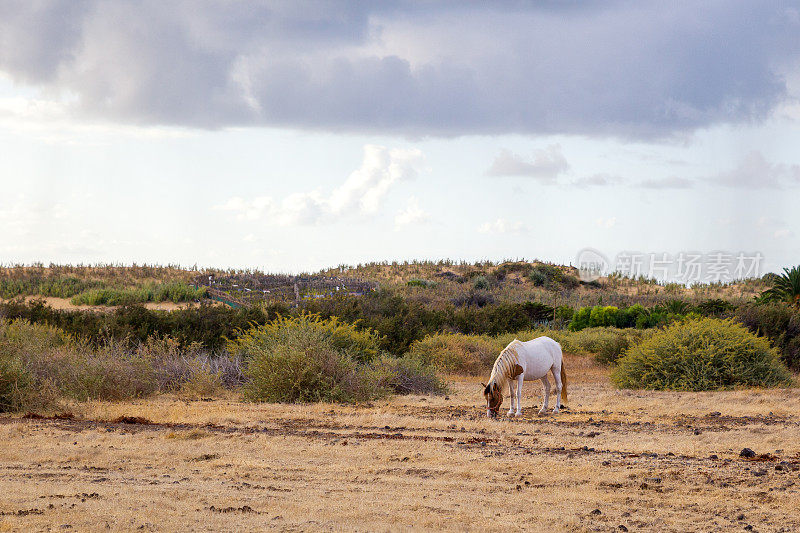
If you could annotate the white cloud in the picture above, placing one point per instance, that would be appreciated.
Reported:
(412, 214)
(546, 165)
(755, 172)
(502, 225)
(598, 180)
(775, 227)
(365, 188)
(362, 193)
(671, 182)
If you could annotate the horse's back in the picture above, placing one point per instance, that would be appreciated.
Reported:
(544, 343)
(542, 353)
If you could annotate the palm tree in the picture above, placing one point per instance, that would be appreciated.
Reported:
(786, 288)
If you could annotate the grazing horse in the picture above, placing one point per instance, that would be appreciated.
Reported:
(521, 361)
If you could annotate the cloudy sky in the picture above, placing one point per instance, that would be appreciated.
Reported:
(291, 136)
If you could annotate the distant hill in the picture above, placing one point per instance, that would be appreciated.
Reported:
(428, 282)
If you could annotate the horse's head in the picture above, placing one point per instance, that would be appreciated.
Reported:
(494, 399)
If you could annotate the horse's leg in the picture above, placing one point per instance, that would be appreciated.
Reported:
(511, 397)
(557, 377)
(520, 379)
(546, 399)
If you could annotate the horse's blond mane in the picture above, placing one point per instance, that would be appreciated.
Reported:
(503, 368)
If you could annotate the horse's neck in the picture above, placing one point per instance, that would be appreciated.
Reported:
(498, 378)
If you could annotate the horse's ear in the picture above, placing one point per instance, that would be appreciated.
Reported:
(483, 384)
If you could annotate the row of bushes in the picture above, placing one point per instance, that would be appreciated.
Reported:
(400, 322)
(57, 287)
(287, 360)
(638, 316)
(308, 358)
(457, 353)
(779, 323)
(692, 354)
(207, 325)
(175, 291)
(40, 363)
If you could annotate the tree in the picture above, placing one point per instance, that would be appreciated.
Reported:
(786, 288)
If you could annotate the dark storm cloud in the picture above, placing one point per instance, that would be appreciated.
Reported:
(631, 69)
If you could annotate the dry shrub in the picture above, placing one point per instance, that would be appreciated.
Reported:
(456, 353)
(21, 345)
(362, 344)
(111, 372)
(39, 363)
(201, 382)
(406, 375)
(308, 359)
(297, 371)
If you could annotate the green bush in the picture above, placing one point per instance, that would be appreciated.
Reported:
(549, 276)
(633, 316)
(701, 354)
(538, 278)
(779, 323)
(456, 353)
(481, 283)
(563, 314)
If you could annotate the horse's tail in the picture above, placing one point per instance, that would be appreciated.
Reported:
(563, 382)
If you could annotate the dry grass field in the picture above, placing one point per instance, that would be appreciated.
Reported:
(613, 461)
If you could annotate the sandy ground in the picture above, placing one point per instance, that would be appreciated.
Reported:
(613, 461)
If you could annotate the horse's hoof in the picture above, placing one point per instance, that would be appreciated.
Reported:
(510, 413)
(518, 413)
(542, 412)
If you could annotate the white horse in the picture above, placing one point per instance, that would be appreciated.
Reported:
(521, 361)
